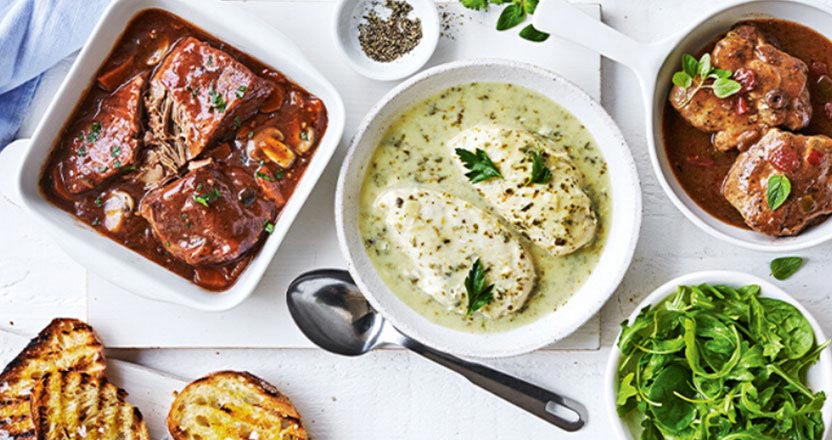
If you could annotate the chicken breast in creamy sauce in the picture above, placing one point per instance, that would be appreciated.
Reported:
(556, 215)
(413, 154)
(444, 235)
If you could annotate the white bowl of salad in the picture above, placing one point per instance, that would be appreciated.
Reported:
(720, 354)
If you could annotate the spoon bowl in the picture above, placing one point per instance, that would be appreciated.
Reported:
(337, 318)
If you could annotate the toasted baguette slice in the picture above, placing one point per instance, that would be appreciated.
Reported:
(65, 344)
(73, 405)
(233, 405)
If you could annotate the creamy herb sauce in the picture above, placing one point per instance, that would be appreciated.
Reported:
(412, 153)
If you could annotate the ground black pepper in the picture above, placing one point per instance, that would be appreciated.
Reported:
(386, 40)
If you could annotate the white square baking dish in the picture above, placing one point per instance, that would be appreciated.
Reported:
(119, 264)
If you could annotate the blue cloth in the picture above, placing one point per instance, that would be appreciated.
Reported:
(34, 35)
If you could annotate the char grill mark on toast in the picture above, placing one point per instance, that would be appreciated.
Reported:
(65, 344)
(74, 406)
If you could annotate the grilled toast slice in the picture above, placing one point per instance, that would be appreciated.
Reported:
(75, 406)
(65, 344)
(233, 405)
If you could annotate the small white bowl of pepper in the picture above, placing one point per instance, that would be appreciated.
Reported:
(386, 39)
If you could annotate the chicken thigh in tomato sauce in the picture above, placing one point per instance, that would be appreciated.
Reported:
(184, 149)
(731, 153)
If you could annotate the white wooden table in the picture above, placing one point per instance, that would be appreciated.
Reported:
(392, 394)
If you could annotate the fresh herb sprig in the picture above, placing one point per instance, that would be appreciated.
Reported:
(777, 191)
(717, 362)
(697, 74)
(784, 267)
(480, 165)
(540, 172)
(513, 14)
(479, 294)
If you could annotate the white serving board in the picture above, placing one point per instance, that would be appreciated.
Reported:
(263, 321)
(149, 390)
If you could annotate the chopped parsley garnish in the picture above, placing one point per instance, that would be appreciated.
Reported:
(129, 168)
(217, 101)
(117, 164)
(251, 134)
(95, 222)
(241, 91)
(115, 151)
(264, 176)
(540, 173)
(480, 165)
(207, 198)
(82, 152)
(479, 295)
(195, 91)
(99, 201)
(278, 174)
(237, 121)
(304, 135)
(103, 169)
(95, 132)
(268, 226)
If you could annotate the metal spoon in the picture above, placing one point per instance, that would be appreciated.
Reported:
(331, 311)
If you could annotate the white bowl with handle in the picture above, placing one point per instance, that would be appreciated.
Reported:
(654, 65)
(819, 376)
(589, 297)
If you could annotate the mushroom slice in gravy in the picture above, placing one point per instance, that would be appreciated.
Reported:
(444, 235)
(555, 214)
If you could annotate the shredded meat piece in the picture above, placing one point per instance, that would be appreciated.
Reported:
(197, 93)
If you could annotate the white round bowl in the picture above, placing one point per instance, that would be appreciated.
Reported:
(585, 302)
(349, 14)
(654, 65)
(819, 376)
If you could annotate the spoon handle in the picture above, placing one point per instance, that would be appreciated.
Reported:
(558, 410)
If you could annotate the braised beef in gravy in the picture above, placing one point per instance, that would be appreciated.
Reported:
(184, 149)
(701, 159)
